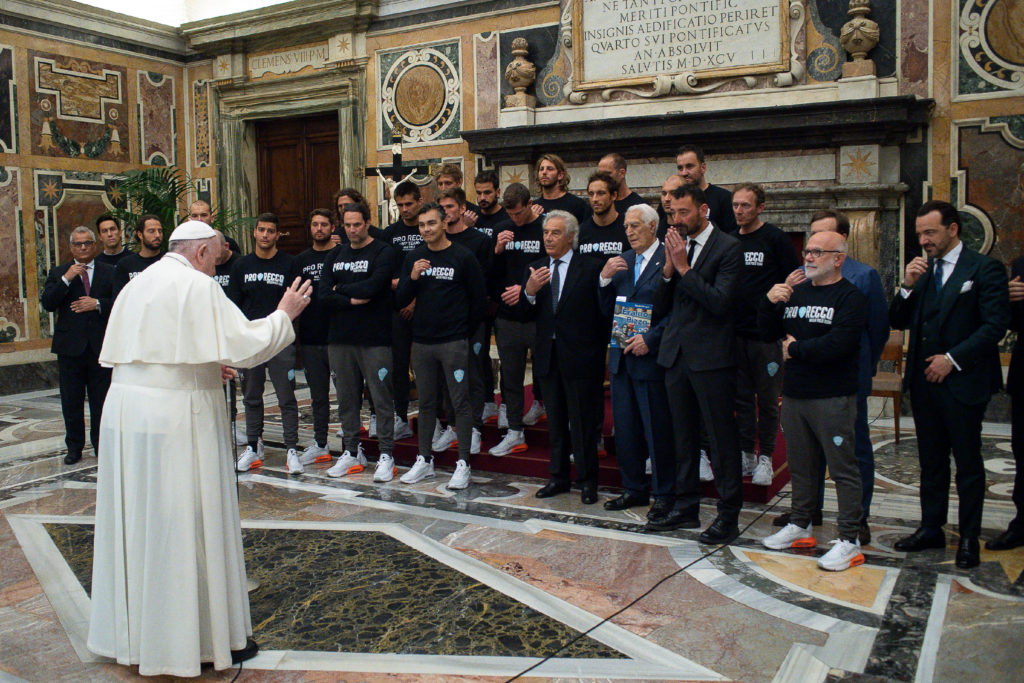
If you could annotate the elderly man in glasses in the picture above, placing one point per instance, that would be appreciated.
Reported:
(820, 323)
(80, 292)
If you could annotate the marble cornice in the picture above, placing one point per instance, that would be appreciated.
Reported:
(302, 21)
(287, 95)
(880, 121)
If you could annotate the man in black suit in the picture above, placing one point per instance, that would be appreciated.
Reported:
(956, 307)
(81, 293)
(643, 425)
(700, 285)
(572, 335)
(1013, 537)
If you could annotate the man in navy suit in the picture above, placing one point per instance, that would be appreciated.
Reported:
(957, 309)
(698, 351)
(643, 425)
(572, 335)
(81, 293)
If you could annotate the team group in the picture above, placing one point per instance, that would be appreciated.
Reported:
(731, 318)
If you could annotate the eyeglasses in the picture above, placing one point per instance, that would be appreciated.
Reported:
(83, 245)
(816, 253)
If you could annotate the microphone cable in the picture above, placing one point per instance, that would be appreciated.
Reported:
(779, 498)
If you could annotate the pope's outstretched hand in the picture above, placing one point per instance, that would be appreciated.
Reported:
(296, 298)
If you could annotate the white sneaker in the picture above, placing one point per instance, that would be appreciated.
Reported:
(513, 442)
(502, 417)
(419, 471)
(448, 439)
(705, 467)
(749, 462)
(371, 431)
(534, 414)
(438, 431)
(843, 555)
(474, 444)
(294, 464)
(460, 478)
(385, 468)
(348, 464)
(791, 536)
(763, 473)
(490, 411)
(402, 429)
(240, 438)
(315, 454)
(250, 458)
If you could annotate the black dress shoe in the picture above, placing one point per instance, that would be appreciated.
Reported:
(660, 508)
(588, 494)
(553, 488)
(626, 501)
(248, 652)
(72, 458)
(968, 554)
(675, 519)
(719, 532)
(922, 539)
(783, 519)
(1011, 538)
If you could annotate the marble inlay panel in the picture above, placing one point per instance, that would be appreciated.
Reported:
(485, 73)
(13, 304)
(980, 636)
(421, 93)
(8, 101)
(157, 132)
(201, 122)
(859, 585)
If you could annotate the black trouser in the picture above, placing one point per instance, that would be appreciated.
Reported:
(79, 375)
(318, 378)
(571, 422)
(942, 424)
(710, 394)
(1017, 443)
(401, 348)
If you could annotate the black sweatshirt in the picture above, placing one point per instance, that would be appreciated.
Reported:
(130, 266)
(488, 223)
(577, 206)
(450, 295)
(827, 323)
(603, 241)
(223, 271)
(363, 273)
(313, 321)
(403, 239)
(112, 259)
(509, 267)
(720, 208)
(480, 244)
(257, 284)
(768, 258)
(630, 200)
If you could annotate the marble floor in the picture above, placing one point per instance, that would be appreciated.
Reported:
(367, 582)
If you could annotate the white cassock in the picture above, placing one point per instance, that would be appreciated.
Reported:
(168, 581)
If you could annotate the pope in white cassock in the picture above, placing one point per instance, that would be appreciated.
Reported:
(168, 582)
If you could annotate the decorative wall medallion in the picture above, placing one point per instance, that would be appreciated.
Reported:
(991, 46)
(421, 93)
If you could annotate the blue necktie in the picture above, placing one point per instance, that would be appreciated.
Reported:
(938, 275)
(639, 268)
(556, 284)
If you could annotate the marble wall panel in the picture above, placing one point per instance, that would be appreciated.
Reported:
(157, 119)
(201, 139)
(914, 27)
(990, 187)
(487, 79)
(13, 310)
(79, 107)
(421, 94)
(8, 101)
(990, 54)
(825, 56)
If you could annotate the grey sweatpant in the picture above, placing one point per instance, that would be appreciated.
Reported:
(431, 363)
(351, 364)
(816, 427)
(318, 377)
(281, 369)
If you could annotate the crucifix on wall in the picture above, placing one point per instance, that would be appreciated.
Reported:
(393, 175)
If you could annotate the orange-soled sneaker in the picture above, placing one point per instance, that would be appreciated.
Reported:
(791, 536)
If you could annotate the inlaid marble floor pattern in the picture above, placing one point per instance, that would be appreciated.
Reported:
(367, 582)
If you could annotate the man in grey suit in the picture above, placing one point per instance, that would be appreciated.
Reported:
(698, 350)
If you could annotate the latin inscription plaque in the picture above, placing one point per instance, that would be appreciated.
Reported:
(631, 42)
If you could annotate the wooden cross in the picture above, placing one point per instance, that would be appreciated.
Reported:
(393, 175)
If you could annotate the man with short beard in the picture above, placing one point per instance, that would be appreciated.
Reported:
(671, 183)
(109, 232)
(450, 178)
(603, 233)
(614, 164)
(491, 214)
(821, 322)
(149, 233)
(692, 168)
(553, 179)
(312, 335)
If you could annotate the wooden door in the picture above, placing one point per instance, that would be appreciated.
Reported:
(298, 167)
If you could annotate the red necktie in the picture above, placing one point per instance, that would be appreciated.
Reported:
(85, 281)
